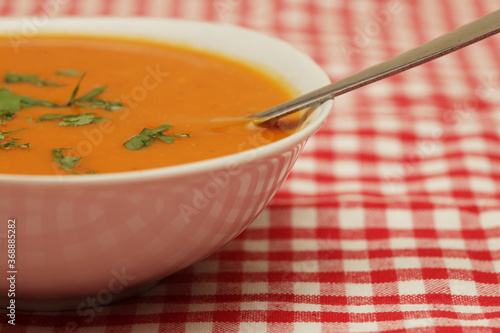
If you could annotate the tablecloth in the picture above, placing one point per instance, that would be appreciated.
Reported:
(389, 221)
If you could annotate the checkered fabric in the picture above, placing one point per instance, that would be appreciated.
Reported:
(389, 221)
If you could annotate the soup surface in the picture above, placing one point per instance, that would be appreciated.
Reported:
(83, 105)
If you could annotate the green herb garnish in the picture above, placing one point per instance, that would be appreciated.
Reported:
(75, 91)
(2, 134)
(106, 105)
(7, 115)
(10, 103)
(13, 102)
(91, 95)
(90, 101)
(29, 78)
(52, 117)
(12, 142)
(74, 120)
(67, 162)
(82, 119)
(69, 72)
(148, 135)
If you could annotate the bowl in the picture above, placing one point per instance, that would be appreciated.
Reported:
(88, 241)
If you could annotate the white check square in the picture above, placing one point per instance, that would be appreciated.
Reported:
(356, 265)
(304, 217)
(433, 167)
(354, 245)
(388, 147)
(195, 328)
(306, 288)
(411, 287)
(256, 266)
(490, 219)
(307, 327)
(370, 326)
(305, 245)
(482, 185)
(249, 327)
(399, 219)
(447, 219)
(351, 218)
(407, 263)
(403, 243)
(254, 287)
(345, 143)
(438, 184)
(493, 244)
(358, 289)
(346, 168)
(463, 288)
(457, 263)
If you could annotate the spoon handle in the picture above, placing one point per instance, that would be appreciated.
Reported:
(450, 42)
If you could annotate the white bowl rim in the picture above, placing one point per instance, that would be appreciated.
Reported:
(294, 139)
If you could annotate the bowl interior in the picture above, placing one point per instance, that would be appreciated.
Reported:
(273, 56)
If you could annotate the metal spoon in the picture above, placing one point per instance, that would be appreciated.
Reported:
(468, 34)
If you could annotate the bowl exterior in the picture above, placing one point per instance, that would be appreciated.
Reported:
(75, 242)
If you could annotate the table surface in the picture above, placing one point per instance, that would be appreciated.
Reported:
(389, 221)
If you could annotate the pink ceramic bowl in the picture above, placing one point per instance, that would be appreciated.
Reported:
(107, 237)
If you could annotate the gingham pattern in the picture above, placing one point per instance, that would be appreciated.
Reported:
(389, 221)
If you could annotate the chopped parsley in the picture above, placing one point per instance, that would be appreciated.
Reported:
(90, 101)
(69, 72)
(67, 162)
(73, 120)
(11, 102)
(12, 142)
(29, 78)
(148, 135)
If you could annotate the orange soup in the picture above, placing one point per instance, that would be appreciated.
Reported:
(82, 105)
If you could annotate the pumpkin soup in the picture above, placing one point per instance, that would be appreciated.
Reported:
(84, 105)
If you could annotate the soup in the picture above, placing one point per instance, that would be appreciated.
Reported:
(85, 105)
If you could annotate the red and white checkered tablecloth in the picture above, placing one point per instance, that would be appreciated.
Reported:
(389, 221)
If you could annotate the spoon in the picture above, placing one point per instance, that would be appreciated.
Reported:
(468, 34)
